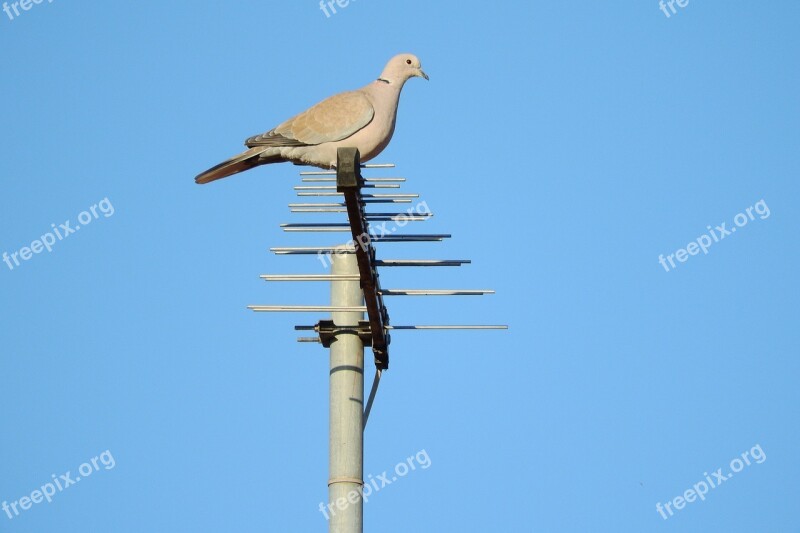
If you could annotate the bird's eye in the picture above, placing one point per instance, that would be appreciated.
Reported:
(408, 61)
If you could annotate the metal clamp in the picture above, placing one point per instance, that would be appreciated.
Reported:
(328, 331)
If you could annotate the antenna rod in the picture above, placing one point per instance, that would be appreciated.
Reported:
(346, 445)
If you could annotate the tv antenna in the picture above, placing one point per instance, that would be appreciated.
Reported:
(355, 290)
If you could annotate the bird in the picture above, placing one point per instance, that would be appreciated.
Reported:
(363, 119)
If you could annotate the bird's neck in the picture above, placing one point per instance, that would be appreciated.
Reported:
(389, 83)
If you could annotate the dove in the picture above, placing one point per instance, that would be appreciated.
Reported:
(363, 119)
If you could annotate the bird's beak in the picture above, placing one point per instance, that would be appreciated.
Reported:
(422, 74)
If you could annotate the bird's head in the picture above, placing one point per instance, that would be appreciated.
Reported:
(401, 68)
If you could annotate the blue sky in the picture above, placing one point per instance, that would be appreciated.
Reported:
(566, 145)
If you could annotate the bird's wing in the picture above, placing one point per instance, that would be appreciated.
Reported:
(331, 120)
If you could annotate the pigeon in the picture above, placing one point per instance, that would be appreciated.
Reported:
(363, 119)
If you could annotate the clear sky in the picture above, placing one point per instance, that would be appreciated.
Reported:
(566, 145)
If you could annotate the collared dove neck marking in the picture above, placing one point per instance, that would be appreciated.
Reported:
(364, 119)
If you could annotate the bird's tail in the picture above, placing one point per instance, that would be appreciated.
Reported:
(239, 163)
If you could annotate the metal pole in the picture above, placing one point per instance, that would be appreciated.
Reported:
(346, 402)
